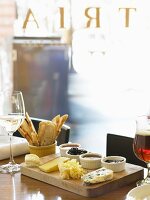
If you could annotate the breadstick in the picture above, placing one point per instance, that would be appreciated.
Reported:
(61, 122)
(25, 135)
(56, 119)
(30, 123)
(34, 139)
(41, 132)
(64, 118)
(26, 126)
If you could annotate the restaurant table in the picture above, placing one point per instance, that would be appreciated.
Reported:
(20, 187)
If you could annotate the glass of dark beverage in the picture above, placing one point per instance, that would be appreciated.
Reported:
(141, 144)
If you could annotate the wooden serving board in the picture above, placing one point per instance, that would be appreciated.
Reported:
(132, 173)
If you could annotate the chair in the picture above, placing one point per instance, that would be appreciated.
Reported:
(118, 145)
(62, 138)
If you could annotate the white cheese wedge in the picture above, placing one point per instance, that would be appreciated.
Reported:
(97, 176)
(32, 160)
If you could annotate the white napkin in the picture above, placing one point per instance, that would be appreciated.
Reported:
(19, 146)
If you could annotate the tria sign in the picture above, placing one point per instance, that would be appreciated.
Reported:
(90, 19)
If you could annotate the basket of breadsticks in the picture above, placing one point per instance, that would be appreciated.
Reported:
(43, 141)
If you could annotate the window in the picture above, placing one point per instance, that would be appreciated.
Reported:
(114, 57)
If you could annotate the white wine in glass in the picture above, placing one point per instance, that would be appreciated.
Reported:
(12, 114)
(141, 144)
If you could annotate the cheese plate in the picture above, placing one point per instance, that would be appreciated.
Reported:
(132, 173)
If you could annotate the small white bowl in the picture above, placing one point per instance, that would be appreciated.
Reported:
(66, 146)
(76, 156)
(115, 163)
(90, 160)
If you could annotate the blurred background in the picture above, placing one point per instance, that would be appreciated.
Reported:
(98, 75)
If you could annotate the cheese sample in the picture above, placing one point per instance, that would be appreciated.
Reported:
(97, 176)
(52, 165)
(32, 160)
(71, 169)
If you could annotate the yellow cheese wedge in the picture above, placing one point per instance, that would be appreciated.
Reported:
(52, 165)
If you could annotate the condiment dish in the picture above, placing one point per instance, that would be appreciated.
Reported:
(115, 163)
(75, 152)
(66, 146)
(90, 160)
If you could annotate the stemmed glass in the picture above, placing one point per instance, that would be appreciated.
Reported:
(12, 114)
(141, 144)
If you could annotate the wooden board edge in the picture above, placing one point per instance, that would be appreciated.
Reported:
(62, 185)
(86, 191)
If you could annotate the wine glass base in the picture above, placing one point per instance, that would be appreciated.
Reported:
(143, 182)
(9, 168)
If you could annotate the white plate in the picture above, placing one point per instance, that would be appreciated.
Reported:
(139, 193)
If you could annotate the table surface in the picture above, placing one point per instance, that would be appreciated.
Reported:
(17, 186)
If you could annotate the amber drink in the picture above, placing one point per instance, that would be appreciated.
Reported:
(141, 145)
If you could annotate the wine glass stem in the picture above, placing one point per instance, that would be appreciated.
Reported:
(148, 170)
(11, 152)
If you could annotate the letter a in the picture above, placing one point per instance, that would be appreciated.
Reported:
(27, 19)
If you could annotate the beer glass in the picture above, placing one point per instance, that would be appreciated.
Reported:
(141, 144)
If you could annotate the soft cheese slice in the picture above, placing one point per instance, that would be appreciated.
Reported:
(32, 160)
(97, 176)
(52, 165)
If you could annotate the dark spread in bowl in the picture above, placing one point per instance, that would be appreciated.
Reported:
(113, 161)
(92, 157)
(76, 151)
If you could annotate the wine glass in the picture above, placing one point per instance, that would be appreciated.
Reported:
(12, 114)
(141, 144)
